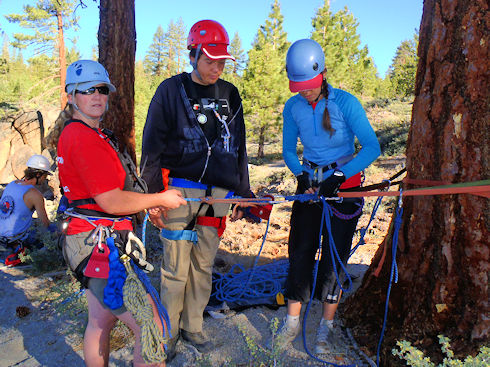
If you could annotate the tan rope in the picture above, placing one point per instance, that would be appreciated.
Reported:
(136, 301)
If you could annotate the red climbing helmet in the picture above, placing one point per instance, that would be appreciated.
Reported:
(211, 38)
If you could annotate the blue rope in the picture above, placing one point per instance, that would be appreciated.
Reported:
(325, 220)
(394, 271)
(162, 312)
(333, 248)
(299, 197)
(363, 231)
(113, 291)
(260, 281)
(73, 296)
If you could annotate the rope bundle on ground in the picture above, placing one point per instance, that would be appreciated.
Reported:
(256, 284)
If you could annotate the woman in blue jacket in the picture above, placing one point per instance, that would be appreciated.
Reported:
(326, 120)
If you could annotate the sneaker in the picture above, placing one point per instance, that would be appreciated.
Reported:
(171, 348)
(325, 340)
(197, 340)
(286, 335)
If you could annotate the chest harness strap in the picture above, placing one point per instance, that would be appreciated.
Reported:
(133, 181)
(220, 108)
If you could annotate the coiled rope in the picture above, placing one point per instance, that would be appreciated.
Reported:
(136, 301)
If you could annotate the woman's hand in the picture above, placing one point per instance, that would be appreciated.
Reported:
(172, 199)
(304, 183)
(330, 186)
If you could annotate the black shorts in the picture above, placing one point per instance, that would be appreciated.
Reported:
(303, 245)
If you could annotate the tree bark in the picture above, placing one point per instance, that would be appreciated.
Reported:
(117, 49)
(443, 252)
(260, 150)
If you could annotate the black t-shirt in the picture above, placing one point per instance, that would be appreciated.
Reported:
(198, 93)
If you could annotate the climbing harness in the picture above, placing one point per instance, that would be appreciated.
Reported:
(120, 257)
(208, 219)
(216, 107)
(133, 182)
(15, 258)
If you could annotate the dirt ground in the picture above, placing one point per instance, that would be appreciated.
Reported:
(36, 330)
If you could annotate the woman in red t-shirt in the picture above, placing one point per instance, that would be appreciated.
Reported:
(93, 180)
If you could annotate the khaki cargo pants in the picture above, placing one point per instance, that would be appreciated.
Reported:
(186, 271)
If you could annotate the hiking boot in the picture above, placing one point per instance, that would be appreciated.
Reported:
(325, 340)
(171, 348)
(197, 340)
(286, 334)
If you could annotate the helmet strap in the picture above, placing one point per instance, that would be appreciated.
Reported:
(194, 63)
(322, 90)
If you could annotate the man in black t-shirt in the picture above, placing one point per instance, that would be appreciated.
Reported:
(194, 141)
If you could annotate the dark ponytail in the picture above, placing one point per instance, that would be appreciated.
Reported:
(327, 125)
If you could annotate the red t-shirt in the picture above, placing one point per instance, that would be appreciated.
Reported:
(88, 166)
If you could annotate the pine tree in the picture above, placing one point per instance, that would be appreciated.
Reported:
(273, 32)
(155, 59)
(233, 70)
(49, 19)
(5, 48)
(404, 67)
(175, 47)
(5, 58)
(265, 84)
(72, 55)
(348, 66)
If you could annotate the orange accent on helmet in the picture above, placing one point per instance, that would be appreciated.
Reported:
(205, 32)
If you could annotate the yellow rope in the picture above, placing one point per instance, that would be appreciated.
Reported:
(136, 301)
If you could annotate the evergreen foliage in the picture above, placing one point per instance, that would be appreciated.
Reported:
(154, 62)
(403, 69)
(42, 19)
(259, 74)
(177, 52)
(47, 19)
(5, 57)
(348, 66)
(265, 84)
(234, 70)
(415, 357)
(167, 54)
(144, 88)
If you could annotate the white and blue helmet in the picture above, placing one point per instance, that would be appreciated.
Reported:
(84, 74)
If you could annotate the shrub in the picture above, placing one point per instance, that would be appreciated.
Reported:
(415, 357)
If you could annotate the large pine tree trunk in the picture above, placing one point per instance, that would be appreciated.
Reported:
(117, 49)
(443, 253)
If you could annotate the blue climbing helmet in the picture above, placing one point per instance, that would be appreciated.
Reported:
(84, 74)
(305, 62)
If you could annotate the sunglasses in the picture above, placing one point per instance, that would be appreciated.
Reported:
(102, 90)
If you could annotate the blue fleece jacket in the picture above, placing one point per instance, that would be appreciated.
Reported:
(347, 118)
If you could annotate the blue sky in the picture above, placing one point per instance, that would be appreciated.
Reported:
(383, 24)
